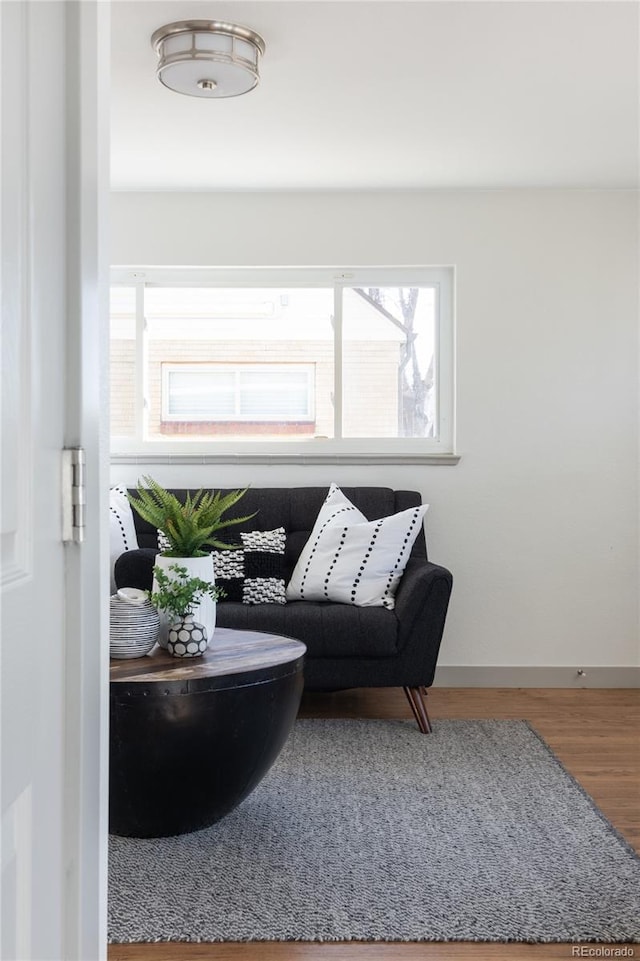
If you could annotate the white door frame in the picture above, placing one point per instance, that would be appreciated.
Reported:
(87, 667)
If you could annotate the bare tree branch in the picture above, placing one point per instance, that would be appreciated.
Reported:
(378, 306)
(413, 390)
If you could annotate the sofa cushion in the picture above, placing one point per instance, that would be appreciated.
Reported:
(351, 560)
(328, 630)
(296, 509)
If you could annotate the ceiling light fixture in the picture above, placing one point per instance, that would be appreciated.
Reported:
(208, 58)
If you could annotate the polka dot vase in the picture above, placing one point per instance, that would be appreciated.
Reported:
(187, 638)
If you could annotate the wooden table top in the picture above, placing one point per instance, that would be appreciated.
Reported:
(230, 652)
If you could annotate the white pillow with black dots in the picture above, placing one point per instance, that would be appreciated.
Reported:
(352, 560)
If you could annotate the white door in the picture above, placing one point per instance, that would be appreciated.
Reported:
(53, 660)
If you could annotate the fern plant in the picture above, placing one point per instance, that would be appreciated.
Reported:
(188, 527)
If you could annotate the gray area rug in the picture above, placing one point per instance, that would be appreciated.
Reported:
(370, 831)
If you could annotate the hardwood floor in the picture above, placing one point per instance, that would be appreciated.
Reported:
(596, 734)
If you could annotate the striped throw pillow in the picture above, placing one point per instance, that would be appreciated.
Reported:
(352, 560)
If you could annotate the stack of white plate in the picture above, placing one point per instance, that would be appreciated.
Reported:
(134, 624)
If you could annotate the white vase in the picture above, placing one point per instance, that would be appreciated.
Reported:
(205, 612)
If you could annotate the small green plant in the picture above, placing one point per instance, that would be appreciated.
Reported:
(179, 594)
(189, 527)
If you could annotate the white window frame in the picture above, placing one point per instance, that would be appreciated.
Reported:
(238, 369)
(399, 450)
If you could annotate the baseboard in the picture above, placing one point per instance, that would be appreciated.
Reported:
(469, 676)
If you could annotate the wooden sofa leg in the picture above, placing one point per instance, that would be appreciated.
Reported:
(415, 696)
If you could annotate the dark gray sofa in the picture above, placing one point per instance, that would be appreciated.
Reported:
(347, 646)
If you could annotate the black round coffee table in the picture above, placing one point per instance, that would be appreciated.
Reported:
(190, 739)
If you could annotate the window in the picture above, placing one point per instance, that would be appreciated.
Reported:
(282, 362)
(244, 394)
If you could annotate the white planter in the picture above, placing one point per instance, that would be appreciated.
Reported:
(205, 612)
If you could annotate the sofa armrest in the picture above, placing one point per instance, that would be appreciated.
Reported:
(423, 592)
(135, 568)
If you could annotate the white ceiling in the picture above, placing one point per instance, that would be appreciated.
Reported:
(388, 94)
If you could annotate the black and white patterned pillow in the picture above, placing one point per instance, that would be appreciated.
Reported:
(351, 560)
(253, 574)
(164, 544)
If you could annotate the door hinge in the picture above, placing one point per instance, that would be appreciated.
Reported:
(73, 494)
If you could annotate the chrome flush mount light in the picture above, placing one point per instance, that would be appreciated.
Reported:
(208, 58)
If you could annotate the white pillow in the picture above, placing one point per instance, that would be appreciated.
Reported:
(122, 530)
(352, 560)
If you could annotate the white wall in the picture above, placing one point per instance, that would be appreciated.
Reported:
(539, 520)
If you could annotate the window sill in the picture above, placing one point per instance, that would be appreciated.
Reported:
(441, 460)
